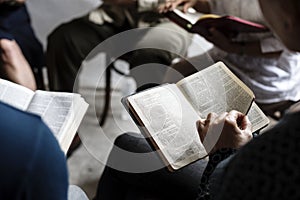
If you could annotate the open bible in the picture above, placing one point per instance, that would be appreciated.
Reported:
(167, 114)
(61, 111)
(199, 23)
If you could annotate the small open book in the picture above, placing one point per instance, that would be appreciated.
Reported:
(167, 114)
(61, 111)
(199, 23)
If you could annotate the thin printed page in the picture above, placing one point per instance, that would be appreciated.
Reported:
(54, 108)
(216, 89)
(15, 95)
(171, 122)
(79, 108)
(257, 118)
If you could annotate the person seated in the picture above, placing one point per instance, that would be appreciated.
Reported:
(33, 167)
(260, 60)
(70, 43)
(267, 168)
(264, 168)
(15, 26)
(136, 171)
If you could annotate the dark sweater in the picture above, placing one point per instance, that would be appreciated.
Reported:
(32, 164)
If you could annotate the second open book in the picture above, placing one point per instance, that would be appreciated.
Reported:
(167, 114)
(199, 23)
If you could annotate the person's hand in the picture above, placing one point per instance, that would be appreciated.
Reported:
(170, 5)
(227, 130)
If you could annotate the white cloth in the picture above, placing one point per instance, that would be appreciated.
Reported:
(271, 79)
(76, 193)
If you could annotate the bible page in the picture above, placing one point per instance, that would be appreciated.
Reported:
(79, 108)
(15, 95)
(216, 89)
(171, 122)
(54, 108)
(257, 118)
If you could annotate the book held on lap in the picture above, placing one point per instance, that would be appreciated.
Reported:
(167, 114)
(62, 112)
(199, 23)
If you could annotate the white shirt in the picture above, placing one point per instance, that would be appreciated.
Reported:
(271, 79)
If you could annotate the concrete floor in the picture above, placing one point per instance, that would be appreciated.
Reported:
(87, 163)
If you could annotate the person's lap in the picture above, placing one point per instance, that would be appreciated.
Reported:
(157, 48)
(71, 42)
(133, 169)
(68, 46)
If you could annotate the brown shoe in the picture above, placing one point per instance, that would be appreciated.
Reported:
(74, 145)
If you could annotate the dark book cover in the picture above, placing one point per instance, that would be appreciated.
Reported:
(231, 26)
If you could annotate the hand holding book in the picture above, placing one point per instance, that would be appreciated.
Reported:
(62, 112)
(166, 115)
(222, 31)
(199, 23)
(232, 130)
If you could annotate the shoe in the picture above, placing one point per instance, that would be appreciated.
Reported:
(74, 145)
